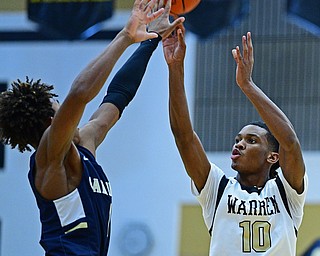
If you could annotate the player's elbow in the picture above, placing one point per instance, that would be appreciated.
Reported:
(291, 143)
(80, 94)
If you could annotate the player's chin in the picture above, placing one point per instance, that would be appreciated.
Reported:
(236, 166)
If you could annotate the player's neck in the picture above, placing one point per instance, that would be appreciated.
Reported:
(253, 180)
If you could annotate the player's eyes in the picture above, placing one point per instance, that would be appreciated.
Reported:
(252, 141)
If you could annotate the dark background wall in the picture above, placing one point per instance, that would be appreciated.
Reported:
(286, 68)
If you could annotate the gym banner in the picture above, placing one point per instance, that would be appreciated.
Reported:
(69, 19)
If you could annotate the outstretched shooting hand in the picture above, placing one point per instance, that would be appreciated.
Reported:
(244, 61)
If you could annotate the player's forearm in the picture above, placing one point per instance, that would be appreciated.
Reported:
(272, 115)
(90, 81)
(126, 82)
(178, 107)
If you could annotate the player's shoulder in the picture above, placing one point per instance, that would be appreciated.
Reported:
(216, 171)
(217, 176)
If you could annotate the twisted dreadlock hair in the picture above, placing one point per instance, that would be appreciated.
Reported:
(24, 113)
(273, 145)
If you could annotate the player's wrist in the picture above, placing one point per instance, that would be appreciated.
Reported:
(176, 65)
(126, 36)
(153, 42)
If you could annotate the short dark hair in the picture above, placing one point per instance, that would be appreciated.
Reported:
(273, 144)
(24, 111)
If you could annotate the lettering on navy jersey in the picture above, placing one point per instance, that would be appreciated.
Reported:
(100, 186)
(267, 206)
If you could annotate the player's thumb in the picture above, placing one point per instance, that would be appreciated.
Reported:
(175, 24)
(178, 21)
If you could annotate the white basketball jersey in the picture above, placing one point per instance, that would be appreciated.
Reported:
(264, 222)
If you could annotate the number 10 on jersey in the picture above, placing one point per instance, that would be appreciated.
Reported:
(255, 236)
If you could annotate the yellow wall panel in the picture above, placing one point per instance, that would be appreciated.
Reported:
(194, 236)
(13, 5)
(309, 231)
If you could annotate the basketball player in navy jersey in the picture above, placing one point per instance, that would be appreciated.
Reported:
(259, 211)
(71, 189)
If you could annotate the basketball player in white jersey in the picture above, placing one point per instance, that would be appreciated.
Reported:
(259, 211)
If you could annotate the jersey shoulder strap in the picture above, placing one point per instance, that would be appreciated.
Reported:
(222, 185)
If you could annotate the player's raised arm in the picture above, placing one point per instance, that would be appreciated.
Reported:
(90, 81)
(57, 141)
(126, 82)
(290, 155)
(188, 143)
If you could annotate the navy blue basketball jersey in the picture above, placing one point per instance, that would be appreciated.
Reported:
(79, 222)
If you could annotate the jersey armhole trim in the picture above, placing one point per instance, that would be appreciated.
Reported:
(222, 185)
(284, 199)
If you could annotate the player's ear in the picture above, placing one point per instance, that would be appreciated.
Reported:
(273, 157)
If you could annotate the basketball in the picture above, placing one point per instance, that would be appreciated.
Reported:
(179, 7)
